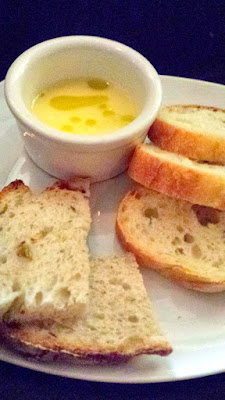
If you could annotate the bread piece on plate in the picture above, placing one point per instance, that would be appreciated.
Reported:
(193, 131)
(44, 264)
(178, 176)
(119, 323)
(182, 241)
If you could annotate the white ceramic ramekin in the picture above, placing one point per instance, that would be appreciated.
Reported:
(65, 155)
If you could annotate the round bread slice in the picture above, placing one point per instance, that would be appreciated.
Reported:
(178, 176)
(194, 131)
(182, 241)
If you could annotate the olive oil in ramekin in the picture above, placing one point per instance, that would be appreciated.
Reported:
(84, 106)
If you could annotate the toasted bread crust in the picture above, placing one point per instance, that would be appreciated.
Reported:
(177, 180)
(194, 145)
(40, 343)
(15, 185)
(178, 273)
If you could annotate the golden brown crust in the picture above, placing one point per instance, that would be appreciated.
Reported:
(15, 185)
(177, 180)
(177, 273)
(41, 343)
(194, 145)
(80, 184)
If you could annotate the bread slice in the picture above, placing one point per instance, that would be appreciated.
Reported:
(182, 241)
(177, 176)
(119, 323)
(44, 264)
(193, 131)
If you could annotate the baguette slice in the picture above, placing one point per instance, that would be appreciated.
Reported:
(182, 241)
(178, 176)
(119, 322)
(44, 264)
(193, 131)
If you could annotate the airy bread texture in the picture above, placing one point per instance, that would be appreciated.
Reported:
(176, 175)
(44, 264)
(182, 241)
(193, 131)
(119, 322)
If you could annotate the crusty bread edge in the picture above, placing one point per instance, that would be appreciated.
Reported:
(15, 185)
(80, 184)
(177, 180)
(38, 348)
(175, 272)
(196, 146)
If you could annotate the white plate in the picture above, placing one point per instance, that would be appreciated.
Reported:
(194, 322)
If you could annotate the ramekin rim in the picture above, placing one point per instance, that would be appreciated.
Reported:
(142, 121)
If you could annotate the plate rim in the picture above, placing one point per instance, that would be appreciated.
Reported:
(81, 376)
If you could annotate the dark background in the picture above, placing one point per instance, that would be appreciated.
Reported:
(182, 38)
(22, 384)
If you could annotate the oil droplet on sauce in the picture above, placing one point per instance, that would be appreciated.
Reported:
(75, 119)
(67, 128)
(108, 113)
(67, 103)
(84, 106)
(97, 84)
(90, 122)
(127, 118)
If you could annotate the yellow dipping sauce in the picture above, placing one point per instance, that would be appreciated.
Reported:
(84, 106)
